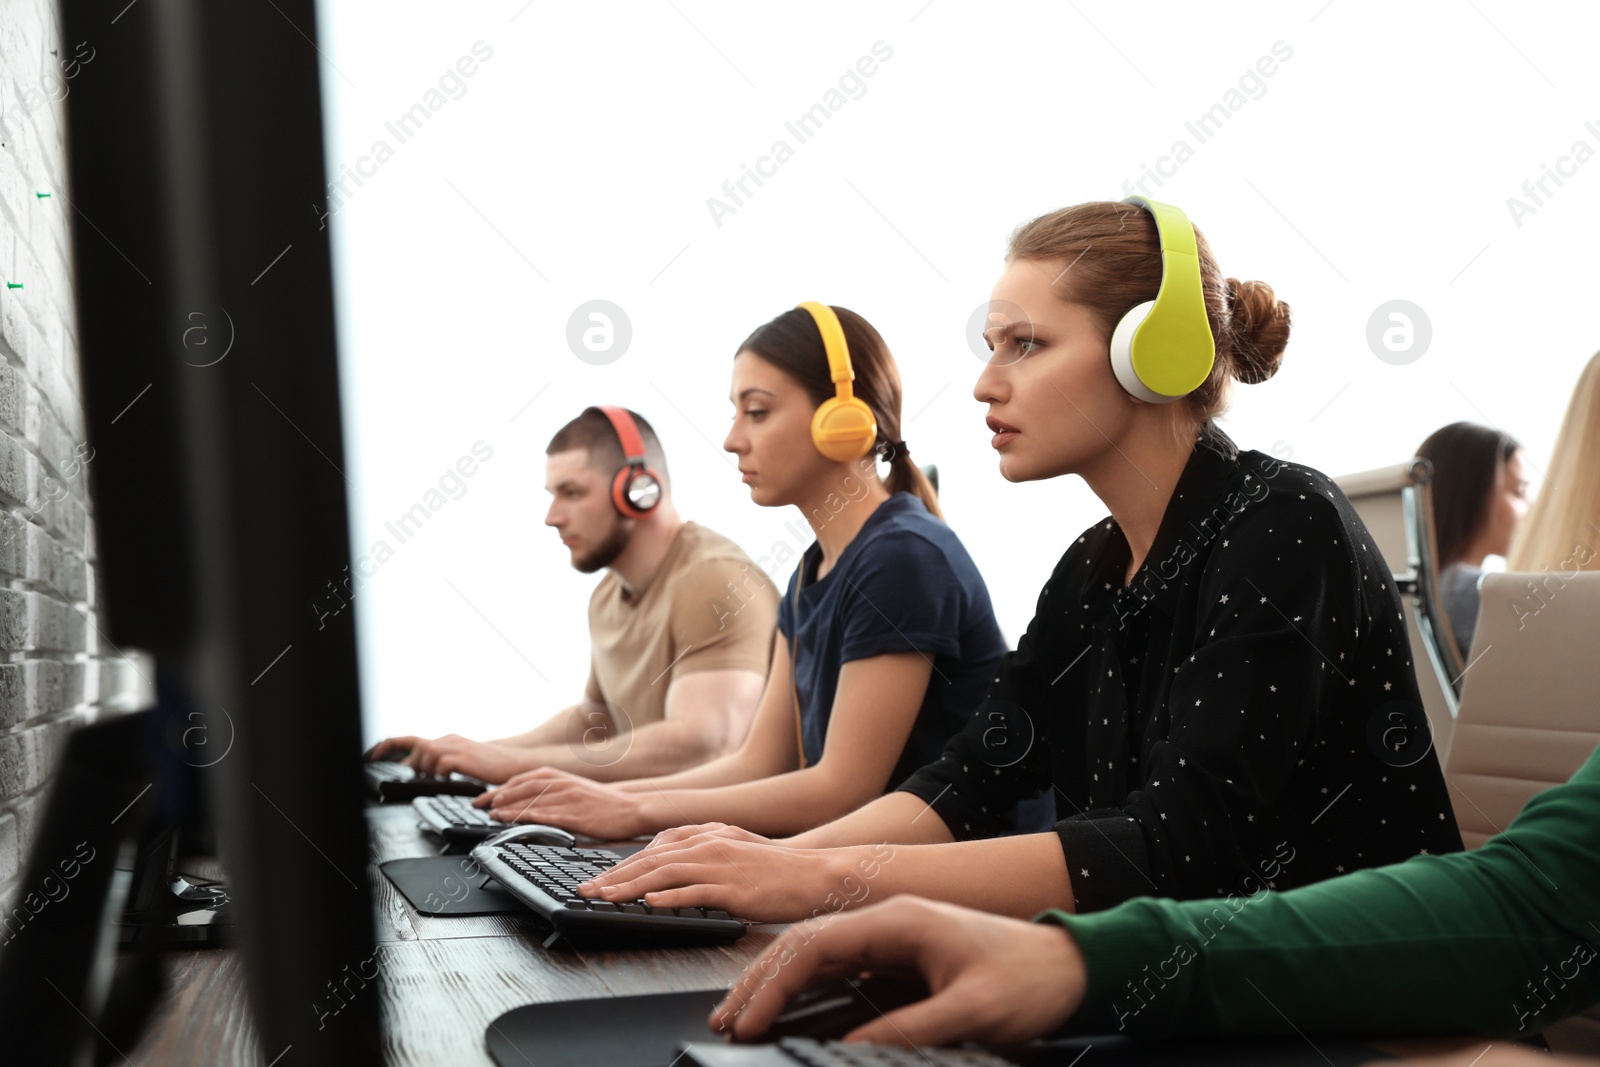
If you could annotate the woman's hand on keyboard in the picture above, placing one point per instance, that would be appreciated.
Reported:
(719, 866)
(668, 838)
(993, 979)
(579, 805)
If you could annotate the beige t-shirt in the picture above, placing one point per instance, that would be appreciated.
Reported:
(708, 607)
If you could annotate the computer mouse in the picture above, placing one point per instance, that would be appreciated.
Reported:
(830, 1010)
(531, 833)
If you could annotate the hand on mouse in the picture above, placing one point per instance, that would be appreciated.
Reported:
(993, 979)
(578, 804)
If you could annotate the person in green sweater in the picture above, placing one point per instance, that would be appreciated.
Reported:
(1500, 941)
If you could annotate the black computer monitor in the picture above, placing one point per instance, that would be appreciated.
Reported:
(211, 390)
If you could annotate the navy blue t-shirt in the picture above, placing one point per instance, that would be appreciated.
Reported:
(904, 584)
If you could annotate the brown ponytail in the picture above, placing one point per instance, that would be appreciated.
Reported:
(792, 343)
(906, 477)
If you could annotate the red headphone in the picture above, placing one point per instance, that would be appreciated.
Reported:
(636, 487)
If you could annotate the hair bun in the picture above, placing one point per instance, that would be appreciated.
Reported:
(1258, 330)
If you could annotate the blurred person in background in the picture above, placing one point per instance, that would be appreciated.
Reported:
(1480, 495)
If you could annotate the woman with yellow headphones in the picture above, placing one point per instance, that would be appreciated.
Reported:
(887, 638)
(1217, 685)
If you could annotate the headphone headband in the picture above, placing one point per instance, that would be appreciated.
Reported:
(627, 432)
(1163, 349)
(833, 342)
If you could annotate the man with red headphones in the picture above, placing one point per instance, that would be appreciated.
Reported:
(680, 627)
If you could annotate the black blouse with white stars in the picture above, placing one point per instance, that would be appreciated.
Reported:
(1242, 716)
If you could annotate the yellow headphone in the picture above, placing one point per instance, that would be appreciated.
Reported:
(843, 427)
(1162, 350)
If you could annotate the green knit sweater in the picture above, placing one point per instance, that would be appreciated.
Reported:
(1499, 941)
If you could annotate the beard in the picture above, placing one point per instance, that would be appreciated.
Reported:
(606, 552)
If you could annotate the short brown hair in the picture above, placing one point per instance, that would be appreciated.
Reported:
(593, 433)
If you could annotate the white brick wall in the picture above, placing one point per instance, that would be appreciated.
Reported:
(47, 640)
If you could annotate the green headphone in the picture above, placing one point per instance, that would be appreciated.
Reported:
(1162, 350)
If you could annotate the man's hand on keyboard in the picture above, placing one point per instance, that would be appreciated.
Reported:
(451, 753)
(993, 979)
(580, 805)
(392, 748)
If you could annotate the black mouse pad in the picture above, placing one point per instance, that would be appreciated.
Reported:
(456, 885)
(450, 886)
(648, 1031)
(641, 1031)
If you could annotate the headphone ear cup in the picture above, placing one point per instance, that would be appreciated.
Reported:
(843, 429)
(624, 481)
(1123, 351)
(619, 493)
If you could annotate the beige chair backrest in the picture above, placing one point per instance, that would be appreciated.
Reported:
(1530, 713)
(1396, 505)
(1376, 495)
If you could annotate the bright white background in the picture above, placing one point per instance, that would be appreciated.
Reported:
(1376, 165)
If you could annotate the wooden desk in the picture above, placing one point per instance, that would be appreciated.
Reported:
(444, 980)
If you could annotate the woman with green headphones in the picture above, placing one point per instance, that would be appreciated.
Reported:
(886, 640)
(1217, 686)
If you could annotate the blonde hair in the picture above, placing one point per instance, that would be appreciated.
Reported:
(1566, 515)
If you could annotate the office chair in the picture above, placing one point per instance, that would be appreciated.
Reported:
(1528, 716)
(1396, 504)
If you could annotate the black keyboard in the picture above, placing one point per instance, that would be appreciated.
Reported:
(807, 1052)
(455, 819)
(391, 782)
(545, 878)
